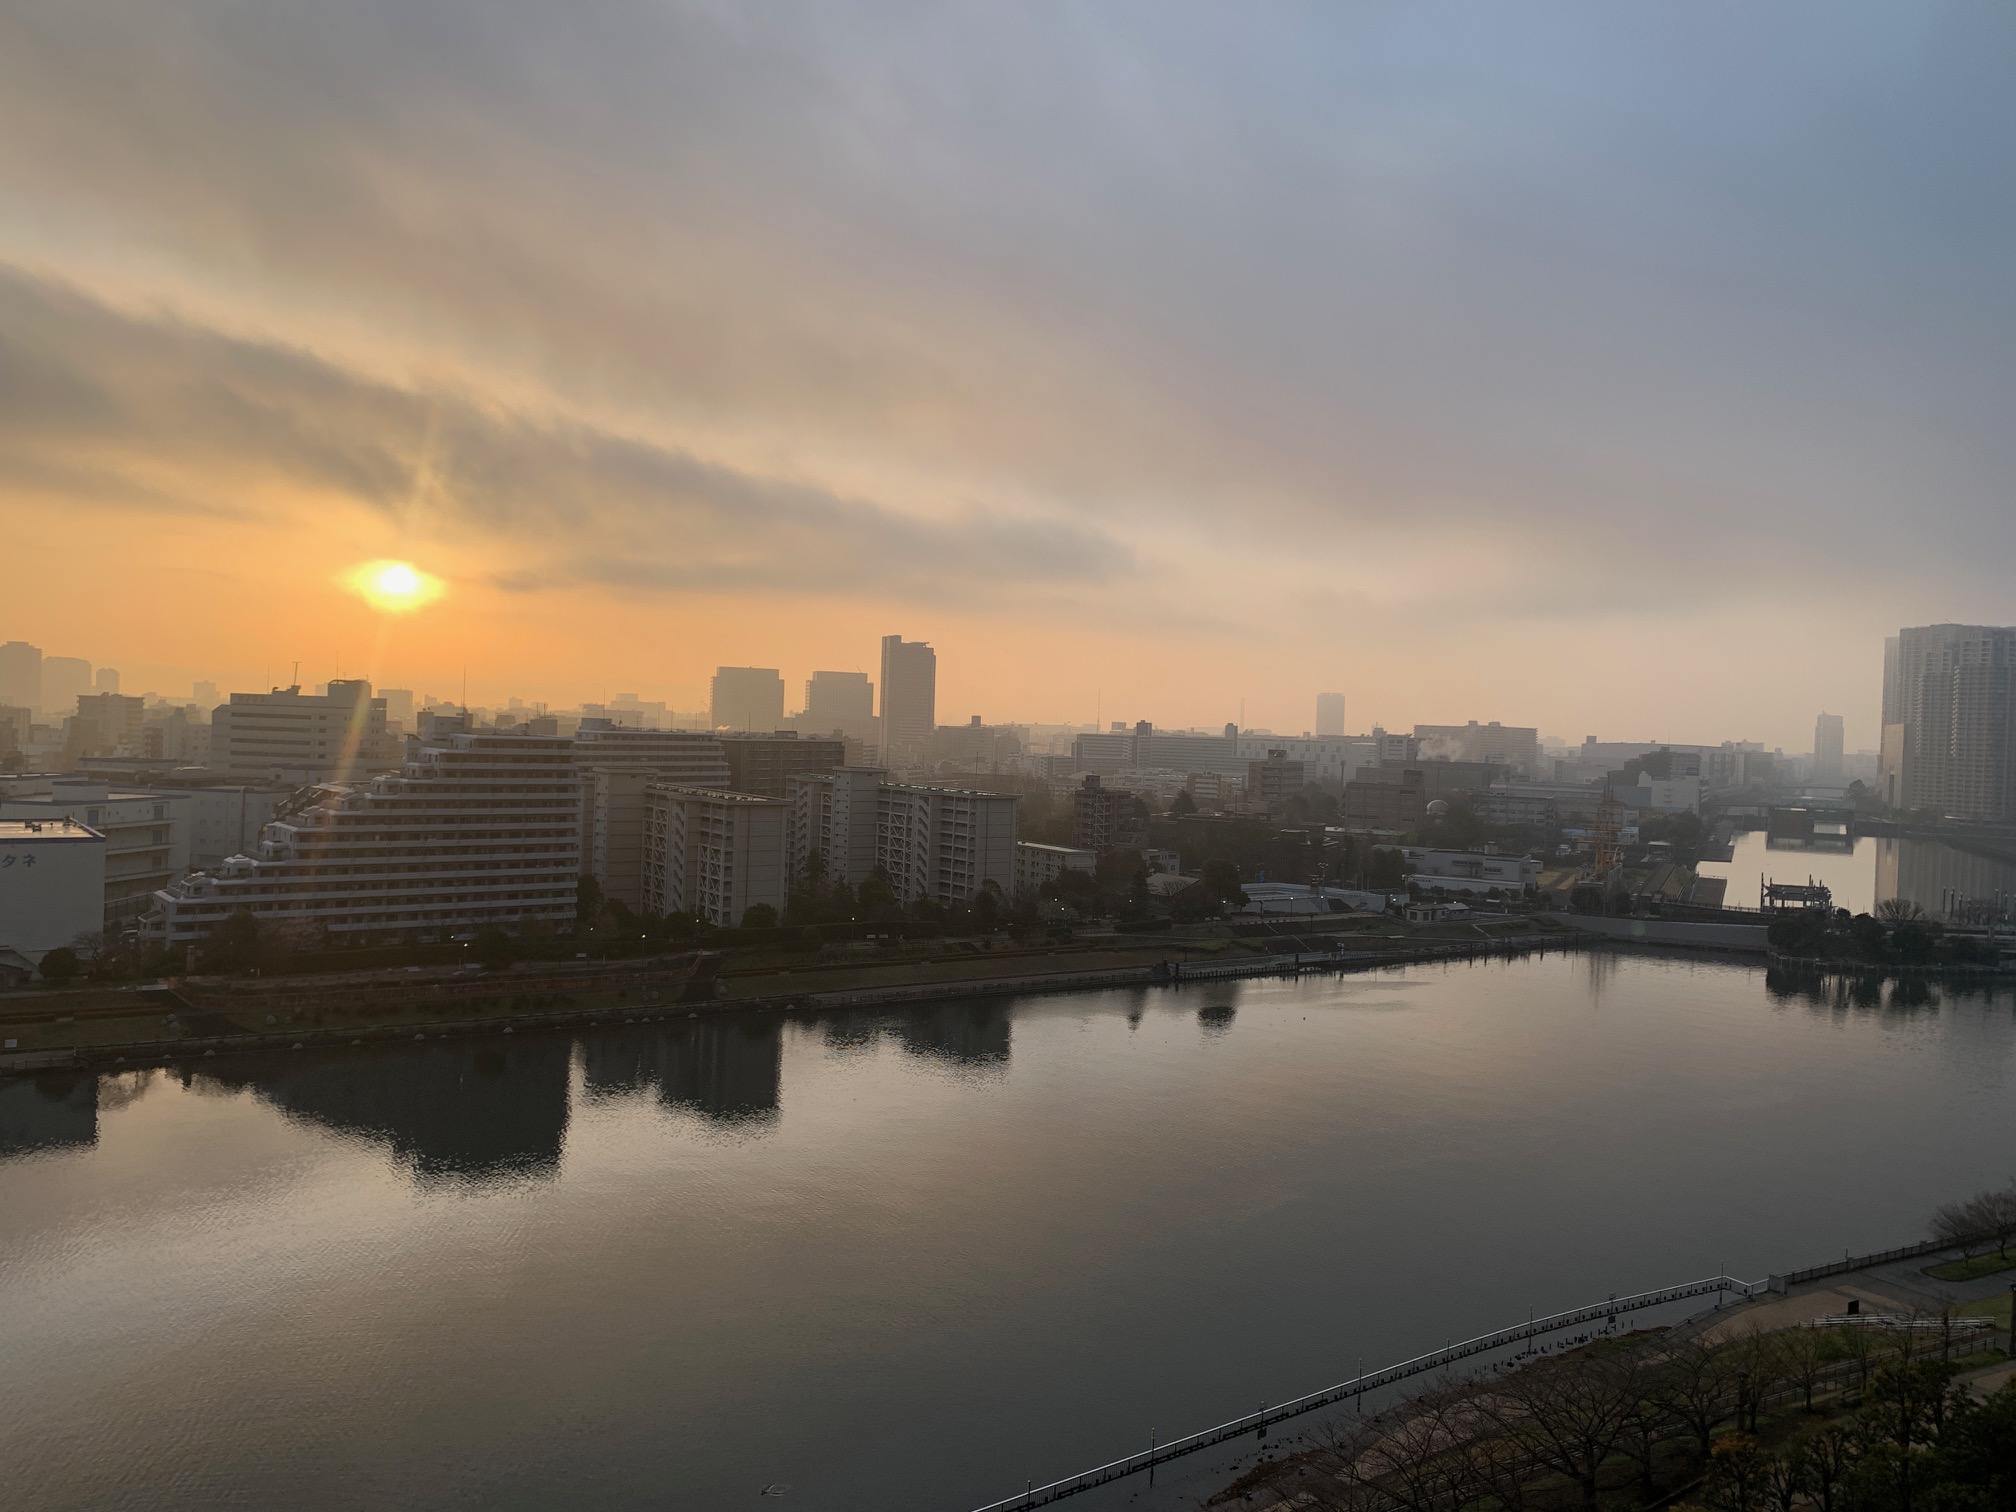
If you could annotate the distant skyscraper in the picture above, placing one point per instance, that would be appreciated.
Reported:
(909, 698)
(107, 680)
(1329, 713)
(1828, 743)
(1952, 745)
(838, 701)
(747, 699)
(205, 696)
(65, 679)
(21, 676)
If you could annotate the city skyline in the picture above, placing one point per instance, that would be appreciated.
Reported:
(1468, 367)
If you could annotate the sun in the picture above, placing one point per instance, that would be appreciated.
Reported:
(393, 587)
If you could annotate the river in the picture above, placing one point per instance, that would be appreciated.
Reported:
(909, 1260)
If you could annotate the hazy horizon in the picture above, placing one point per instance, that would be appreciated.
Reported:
(1617, 372)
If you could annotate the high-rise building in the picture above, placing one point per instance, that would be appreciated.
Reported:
(909, 700)
(105, 724)
(21, 676)
(65, 679)
(106, 680)
(206, 698)
(1329, 714)
(1952, 745)
(747, 699)
(477, 829)
(1106, 819)
(1516, 745)
(1828, 750)
(838, 701)
(303, 737)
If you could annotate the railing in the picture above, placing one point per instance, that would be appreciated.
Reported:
(1259, 1422)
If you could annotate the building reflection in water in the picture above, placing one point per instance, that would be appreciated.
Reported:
(729, 1070)
(1216, 1018)
(1943, 880)
(56, 1110)
(976, 1033)
(471, 1111)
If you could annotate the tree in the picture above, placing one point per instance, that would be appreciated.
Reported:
(759, 916)
(1898, 911)
(587, 902)
(1182, 803)
(1387, 870)
(1569, 1414)
(1696, 1383)
(59, 965)
(1221, 877)
(1913, 942)
(492, 947)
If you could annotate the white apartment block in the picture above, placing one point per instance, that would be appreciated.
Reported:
(146, 834)
(340, 736)
(937, 843)
(477, 829)
(52, 885)
(714, 854)
(1036, 864)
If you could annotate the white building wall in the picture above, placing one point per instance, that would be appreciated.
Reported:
(52, 884)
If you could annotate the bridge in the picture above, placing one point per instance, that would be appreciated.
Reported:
(1257, 1423)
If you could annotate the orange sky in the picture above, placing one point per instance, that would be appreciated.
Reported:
(1466, 373)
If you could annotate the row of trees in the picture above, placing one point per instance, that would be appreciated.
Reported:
(1624, 1422)
(1896, 932)
(1976, 1222)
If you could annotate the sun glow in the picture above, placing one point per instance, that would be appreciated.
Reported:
(394, 587)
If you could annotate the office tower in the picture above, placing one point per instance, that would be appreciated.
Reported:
(106, 681)
(1828, 743)
(478, 828)
(909, 699)
(21, 676)
(746, 698)
(1515, 745)
(1952, 746)
(1329, 713)
(838, 701)
(304, 737)
(206, 698)
(65, 679)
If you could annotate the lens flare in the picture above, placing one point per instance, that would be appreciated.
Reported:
(394, 587)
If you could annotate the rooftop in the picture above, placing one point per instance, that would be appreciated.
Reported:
(45, 831)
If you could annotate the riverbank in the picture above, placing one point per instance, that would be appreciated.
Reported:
(170, 1021)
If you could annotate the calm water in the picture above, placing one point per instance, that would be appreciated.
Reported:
(907, 1260)
(1923, 871)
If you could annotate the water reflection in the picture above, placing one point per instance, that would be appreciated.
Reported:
(976, 1033)
(1216, 1018)
(1930, 873)
(54, 1111)
(729, 1071)
(498, 1108)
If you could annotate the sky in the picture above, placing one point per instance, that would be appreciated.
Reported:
(1623, 370)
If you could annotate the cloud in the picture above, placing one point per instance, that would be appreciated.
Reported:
(148, 412)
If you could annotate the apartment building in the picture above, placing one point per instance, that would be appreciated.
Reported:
(939, 843)
(479, 828)
(714, 854)
(618, 764)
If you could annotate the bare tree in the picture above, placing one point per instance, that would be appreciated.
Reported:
(1786, 1479)
(1804, 1354)
(1696, 1384)
(1569, 1414)
(1830, 1457)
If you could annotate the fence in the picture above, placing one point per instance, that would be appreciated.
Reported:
(1259, 1422)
